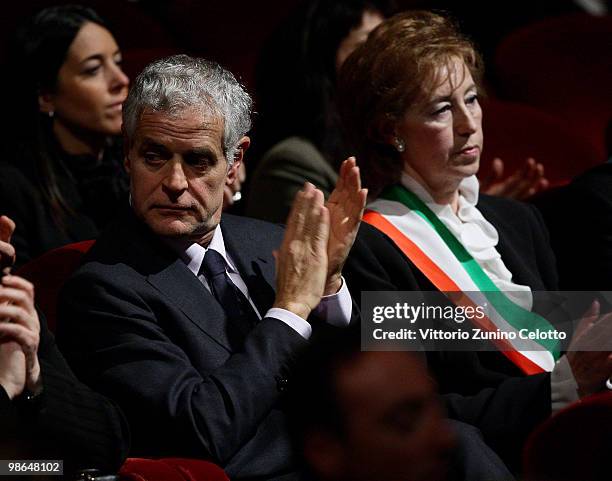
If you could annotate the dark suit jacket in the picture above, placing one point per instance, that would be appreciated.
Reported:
(482, 388)
(138, 325)
(579, 218)
(69, 421)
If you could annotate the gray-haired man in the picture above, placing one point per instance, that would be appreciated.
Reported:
(187, 319)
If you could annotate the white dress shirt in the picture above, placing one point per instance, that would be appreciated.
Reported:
(335, 309)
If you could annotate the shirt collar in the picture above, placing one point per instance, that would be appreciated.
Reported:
(193, 255)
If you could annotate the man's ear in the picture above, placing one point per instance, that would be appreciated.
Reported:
(45, 103)
(234, 171)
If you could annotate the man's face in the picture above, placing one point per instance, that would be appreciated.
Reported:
(394, 425)
(178, 170)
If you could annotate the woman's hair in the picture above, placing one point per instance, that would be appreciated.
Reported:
(296, 74)
(396, 68)
(37, 53)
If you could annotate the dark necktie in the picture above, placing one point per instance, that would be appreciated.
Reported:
(234, 303)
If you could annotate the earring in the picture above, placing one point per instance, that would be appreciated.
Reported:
(51, 113)
(400, 146)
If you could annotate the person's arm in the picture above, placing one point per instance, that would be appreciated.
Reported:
(20, 202)
(206, 407)
(92, 429)
(525, 182)
(49, 408)
(505, 414)
(206, 402)
(580, 372)
(345, 206)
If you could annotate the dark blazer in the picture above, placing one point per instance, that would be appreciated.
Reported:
(482, 388)
(579, 218)
(92, 189)
(138, 325)
(69, 421)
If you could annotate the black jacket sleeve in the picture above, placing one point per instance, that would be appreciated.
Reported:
(70, 421)
(183, 393)
(480, 388)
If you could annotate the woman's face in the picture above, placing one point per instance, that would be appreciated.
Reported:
(443, 135)
(90, 84)
(370, 19)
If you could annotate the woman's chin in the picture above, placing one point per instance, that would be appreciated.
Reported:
(468, 168)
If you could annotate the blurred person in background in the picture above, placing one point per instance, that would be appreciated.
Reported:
(62, 179)
(45, 412)
(368, 415)
(298, 130)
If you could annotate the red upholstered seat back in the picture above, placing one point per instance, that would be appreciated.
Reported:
(170, 469)
(562, 65)
(573, 445)
(514, 131)
(49, 272)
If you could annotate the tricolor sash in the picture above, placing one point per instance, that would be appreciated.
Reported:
(441, 257)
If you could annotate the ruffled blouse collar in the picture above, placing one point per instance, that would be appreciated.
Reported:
(469, 226)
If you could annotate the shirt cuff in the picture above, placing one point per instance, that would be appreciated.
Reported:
(294, 321)
(563, 386)
(336, 309)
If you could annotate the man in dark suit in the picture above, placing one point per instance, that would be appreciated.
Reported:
(178, 314)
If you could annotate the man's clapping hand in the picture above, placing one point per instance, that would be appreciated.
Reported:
(301, 267)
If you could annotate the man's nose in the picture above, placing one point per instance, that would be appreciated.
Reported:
(175, 180)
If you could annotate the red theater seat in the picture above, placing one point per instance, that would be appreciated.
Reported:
(562, 65)
(514, 131)
(49, 272)
(573, 445)
(170, 469)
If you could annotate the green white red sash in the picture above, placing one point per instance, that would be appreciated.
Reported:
(437, 253)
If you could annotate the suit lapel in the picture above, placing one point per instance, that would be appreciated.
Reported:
(185, 291)
(167, 273)
(255, 264)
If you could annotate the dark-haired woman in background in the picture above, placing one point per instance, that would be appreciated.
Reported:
(63, 177)
(298, 130)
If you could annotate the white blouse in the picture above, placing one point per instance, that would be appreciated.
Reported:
(476, 233)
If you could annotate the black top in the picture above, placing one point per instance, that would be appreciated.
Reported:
(69, 421)
(481, 388)
(93, 188)
(579, 218)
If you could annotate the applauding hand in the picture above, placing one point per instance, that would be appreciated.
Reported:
(301, 261)
(524, 183)
(345, 205)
